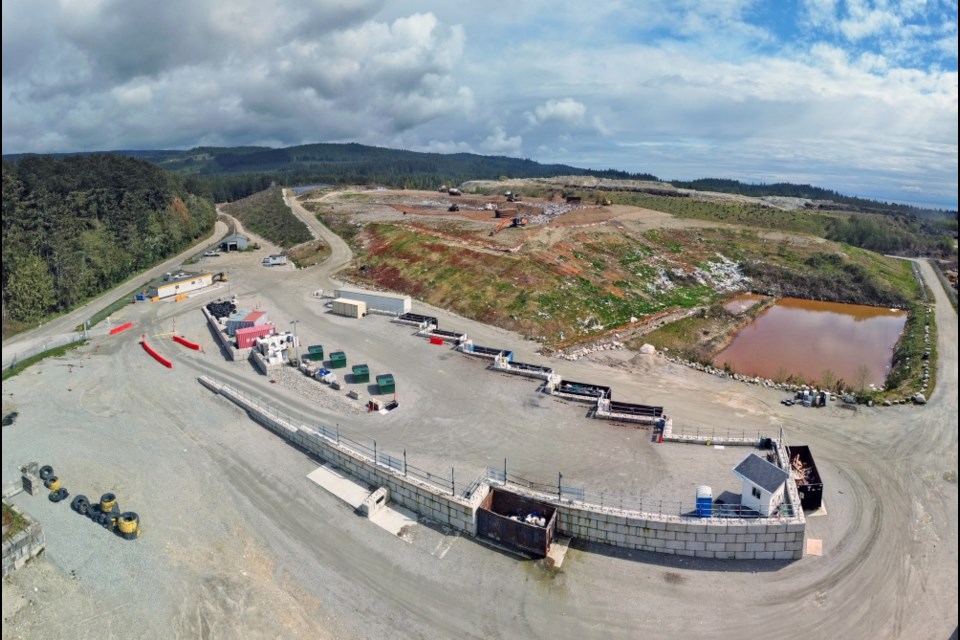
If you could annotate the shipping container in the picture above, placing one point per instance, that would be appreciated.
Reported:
(349, 308)
(378, 301)
(338, 360)
(174, 284)
(517, 521)
(809, 483)
(247, 336)
(361, 373)
(386, 383)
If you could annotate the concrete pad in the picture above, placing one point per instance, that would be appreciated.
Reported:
(814, 547)
(395, 519)
(340, 485)
(557, 552)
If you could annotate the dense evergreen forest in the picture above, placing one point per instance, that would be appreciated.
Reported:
(75, 226)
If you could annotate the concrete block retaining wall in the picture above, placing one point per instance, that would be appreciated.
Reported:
(420, 497)
(734, 539)
(232, 352)
(22, 546)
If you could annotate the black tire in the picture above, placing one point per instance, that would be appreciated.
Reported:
(108, 497)
(83, 505)
(64, 494)
(46, 471)
(130, 536)
(48, 482)
(55, 496)
(75, 504)
(93, 512)
(116, 508)
(104, 518)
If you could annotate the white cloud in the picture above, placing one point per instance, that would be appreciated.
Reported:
(565, 110)
(498, 143)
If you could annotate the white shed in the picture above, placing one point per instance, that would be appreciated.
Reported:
(763, 484)
(378, 301)
(350, 308)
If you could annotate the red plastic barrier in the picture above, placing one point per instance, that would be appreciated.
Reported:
(156, 356)
(122, 327)
(187, 343)
(436, 340)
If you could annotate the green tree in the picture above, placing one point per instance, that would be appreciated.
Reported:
(30, 289)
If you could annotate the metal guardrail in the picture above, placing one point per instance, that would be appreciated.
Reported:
(46, 346)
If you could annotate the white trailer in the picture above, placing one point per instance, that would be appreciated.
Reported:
(378, 301)
(275, 260)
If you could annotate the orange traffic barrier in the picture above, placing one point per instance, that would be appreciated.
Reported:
(187, 343)
(122, 327)
(156, 356)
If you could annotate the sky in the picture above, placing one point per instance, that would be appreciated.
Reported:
(859, 96)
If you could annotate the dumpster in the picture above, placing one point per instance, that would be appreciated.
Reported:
(517, 521)
(338, 360)
(386, 383)
(361, 373)
(804, 471)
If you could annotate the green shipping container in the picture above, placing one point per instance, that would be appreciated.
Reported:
(361, 373)
(338, 360)
(386, 383)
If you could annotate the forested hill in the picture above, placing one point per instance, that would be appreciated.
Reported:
(236, 172)
(77, 225)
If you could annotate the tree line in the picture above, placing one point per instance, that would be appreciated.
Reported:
(75, 226)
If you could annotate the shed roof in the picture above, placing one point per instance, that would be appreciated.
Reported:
(764, 474)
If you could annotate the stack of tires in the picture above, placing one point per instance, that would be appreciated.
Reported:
(52, 482)
(107, 514)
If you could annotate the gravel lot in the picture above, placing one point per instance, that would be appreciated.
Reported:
(239, 543)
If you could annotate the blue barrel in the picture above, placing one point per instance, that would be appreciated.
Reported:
(704, 502)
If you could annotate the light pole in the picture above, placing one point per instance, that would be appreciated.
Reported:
(296, 343)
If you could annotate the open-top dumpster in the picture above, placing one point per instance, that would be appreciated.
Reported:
(804, 471)
(517, 521)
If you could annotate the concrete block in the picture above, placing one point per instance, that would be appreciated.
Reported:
(794, 527)
(775, 546)
(707, 537)
(676, 527)
(726, 537)
(724, 555)
(744, 555)
(674, 544)
(696, 528)
(786, 537)
(787, 555)
(736, 528)
(767, 537)
(686, 536)
(796, 545)
(716, 546)
(696, 546)
(656, 544)
(667, 535)
(746, 537)
(656, 525)
(764, 555)
(622, 528)
(756, 528)
(736, 547)
(755, 546)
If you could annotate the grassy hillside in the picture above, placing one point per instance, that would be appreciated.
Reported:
(266, 214)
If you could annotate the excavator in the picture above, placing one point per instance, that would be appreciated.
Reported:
(518, 221)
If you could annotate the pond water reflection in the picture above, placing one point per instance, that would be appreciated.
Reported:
(807, 338)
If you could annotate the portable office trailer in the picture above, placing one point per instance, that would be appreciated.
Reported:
(174, 284)
(378, 301)
(350, 308)
(515, 520)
